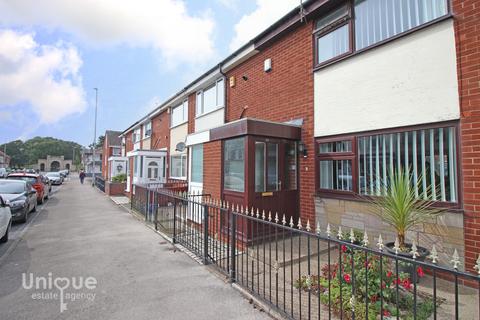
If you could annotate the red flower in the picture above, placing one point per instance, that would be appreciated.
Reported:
(407, 284)
(344, 248)
(347, 279)
(386, 313)
(420, 272)
(397, 281)
(389, 274)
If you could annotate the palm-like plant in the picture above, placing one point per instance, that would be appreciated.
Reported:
(400, 207)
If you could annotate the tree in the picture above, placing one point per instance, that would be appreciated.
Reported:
(99, 144)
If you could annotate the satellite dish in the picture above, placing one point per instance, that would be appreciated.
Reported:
(180, 146)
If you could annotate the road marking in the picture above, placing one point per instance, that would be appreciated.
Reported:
(14, 245)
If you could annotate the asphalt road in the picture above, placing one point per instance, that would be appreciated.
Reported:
(108, 265)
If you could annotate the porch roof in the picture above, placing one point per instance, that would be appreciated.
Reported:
(151, 153)
(257, 127)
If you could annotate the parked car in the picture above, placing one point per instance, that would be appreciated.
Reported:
(20, 196)
(64, 173)
(55, 177)
(37, 183)
(5, 220)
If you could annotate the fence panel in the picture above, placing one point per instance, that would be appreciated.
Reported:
(306, 273)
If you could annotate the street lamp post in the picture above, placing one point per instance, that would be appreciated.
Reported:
(95, 133)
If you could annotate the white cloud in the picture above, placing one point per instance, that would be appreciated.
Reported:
(162, 24)
(266, 13)
(44, 76)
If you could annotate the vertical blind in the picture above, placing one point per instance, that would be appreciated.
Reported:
(429, 155)
(377, 20)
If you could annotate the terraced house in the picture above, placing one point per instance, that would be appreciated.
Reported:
(310, 116)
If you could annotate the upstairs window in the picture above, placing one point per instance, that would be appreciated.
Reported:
(375, 21)
(211, 98)
(147, 129)
(180, 114)
(136, 135)
(333, 35)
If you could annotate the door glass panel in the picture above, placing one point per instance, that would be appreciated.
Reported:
(290, 166)
(259, 167)
(197, 163)
(272, 167)
(234, 165)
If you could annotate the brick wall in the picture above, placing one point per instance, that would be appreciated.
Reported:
(191, 112)
(467, 29)
(106, 155)
(283, 94)
(161, 131)
(212, 168)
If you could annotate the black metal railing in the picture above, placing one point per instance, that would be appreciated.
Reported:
(304, 272)
(100, 183)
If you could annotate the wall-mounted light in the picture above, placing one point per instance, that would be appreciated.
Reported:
(302, 149)
(119, 168)
(245, 77)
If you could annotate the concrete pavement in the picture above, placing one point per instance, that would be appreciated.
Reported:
(132, 272)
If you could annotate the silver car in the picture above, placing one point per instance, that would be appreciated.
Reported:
(5, 220)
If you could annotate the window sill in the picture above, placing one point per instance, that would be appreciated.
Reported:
(178, 178)
(343, 57)
(351, 196)
(178, 125)
(198, 116)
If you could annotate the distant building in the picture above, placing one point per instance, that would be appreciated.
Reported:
(54, 163)
(113, 163)
(88, 164)
(4, 160)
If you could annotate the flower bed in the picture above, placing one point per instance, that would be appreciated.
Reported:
(360, 274)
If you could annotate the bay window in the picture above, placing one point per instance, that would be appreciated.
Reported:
(374, 21)
(363, 164)
(211, 98)
(178, 165)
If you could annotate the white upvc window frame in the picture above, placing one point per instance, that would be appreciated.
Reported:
(184, 106)
(219, 101)
(183, 161)
(136, 135)
(146, 128)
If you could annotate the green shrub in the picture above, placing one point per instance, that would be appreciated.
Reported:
(120, 178)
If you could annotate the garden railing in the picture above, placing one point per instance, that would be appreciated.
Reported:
(304, 272)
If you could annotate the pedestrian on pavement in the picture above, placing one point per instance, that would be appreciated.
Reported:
(82, 176)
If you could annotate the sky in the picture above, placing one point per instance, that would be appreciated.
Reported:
(136, 52)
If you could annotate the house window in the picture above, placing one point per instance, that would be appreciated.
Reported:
(152, 170)
(379, 20)
(116, 151)
(375, 21)
(211, 98)
(136, 135)
(234, 165)
(147, 130)
(178, 165)
(197, 163)
(290, 166)
(364, 166)
(335, 165)
(180, 114)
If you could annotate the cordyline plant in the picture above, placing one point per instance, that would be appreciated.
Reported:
(400, 207)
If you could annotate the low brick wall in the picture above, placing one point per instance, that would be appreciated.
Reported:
(446, 232)
(115, 188)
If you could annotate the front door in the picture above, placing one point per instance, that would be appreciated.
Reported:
(195, 183)
(155, 169)
(275, 176)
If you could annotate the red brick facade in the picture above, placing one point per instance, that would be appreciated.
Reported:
(467, 25)
(212, 169)
(283, 94)
(160, 131)
(192, 100)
